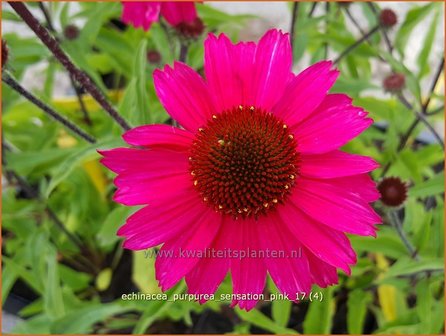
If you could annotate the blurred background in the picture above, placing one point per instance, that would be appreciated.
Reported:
(63, 268)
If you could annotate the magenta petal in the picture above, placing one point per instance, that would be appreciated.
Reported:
(335, 164)
(327, 244)
(184, 95)
(121, 160)
(229, 71)
(335, 207)
(178, 256)
(272, 68)
(155, 135)
(362, 185)
(305, 92)
(291, 272)
(213, 269)
(322, 273)
(177, 12)
(145, 175)
(332, 125)
(140, 14)
(143, 188)
(162, 220)
(248, 273)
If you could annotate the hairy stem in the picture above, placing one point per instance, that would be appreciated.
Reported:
(74, 85)
(52, 44)
(11, 82)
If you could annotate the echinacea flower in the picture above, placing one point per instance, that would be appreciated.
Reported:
(256, 167)
(144, 13)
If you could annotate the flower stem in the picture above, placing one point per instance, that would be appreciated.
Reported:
(293, 22)
(422, 117)
(383, 29)
(312, 9)
(356, 44)
(396, 223)
(434, 84)
(44, 107)
(77, 74)
(74, 85)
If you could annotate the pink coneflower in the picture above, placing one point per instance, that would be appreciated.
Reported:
(257, 167)
(144, 13)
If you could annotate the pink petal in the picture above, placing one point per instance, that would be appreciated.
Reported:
(164, 219)
(140, 13)
(184, 95)
(332, 125)
(145, 187)
(305, 92)
(177, 12)
(322, 273)
(213, 269)
(327, 244)
(289, 271)
(145, 175)
(120, 160)
(155, 135)
(272, 68)
(248, 273)
(335, 207)
(335, 164)
(246, 74)
(229, 71)
(362, 185)
(178, 256)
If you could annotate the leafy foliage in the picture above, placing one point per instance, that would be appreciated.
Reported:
(74, 287)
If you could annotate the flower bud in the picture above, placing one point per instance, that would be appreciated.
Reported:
(153, 56)
(191, 29)
(393, 191)
(71, 32)
(387, 18)
(394, 82)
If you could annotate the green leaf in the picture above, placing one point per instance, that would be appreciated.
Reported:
(386, 242)
(413, 18)
(407, 266)
(53, 302)
(428, 42)
(280, 309)
(260, 320)
(78, 157)
(357, 309)
(430, 187)
(80, 321)
(143, 272)
(107, 234)
(156, 309)
(9, 277)
(142, 115)
(318, 319)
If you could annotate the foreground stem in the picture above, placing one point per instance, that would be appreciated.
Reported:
(48, 110)
(60, 55)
